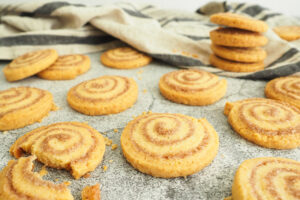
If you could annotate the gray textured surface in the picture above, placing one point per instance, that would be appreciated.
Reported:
(121, 181)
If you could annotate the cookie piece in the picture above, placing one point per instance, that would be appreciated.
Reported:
(22, 106)
(73, 146)
(285, 89)
(29, 64)
(124, 58)
(267, 178)
(18, 181)
(268, 123)
(228, 198)
(234, 37)
(91, 192)
(288, 33)
(66, 67)
(192, 87)
(239, 21)
(169, 145)
(238, 54)
(232, 66)
(103, 95)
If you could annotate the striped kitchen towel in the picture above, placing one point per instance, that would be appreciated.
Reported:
(176, 37)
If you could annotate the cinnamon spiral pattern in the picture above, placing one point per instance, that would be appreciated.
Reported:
(66, 67)
(18, 181)
(267, 178)
(192, 87)
(266, 122)
(22, 106)
(70, 145)
(285, 89)
(124, 58)
(169, 145)
(29, 64)
(103, 95)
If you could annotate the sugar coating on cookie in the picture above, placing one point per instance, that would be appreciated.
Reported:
(91, 192)
(288, 33)
(22, 106)
(233, 66)
(73, 146)
(29, 64)
(18, 181)
(103, 95)
(124, 58)
(234, 37)
(192, 87)
(239, 54)
(169, 145)
(267, 178)
(285, 89)
(239, 21)
(66, 67)
(266, 122)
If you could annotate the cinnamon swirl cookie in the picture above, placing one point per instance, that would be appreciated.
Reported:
(124, 58)
(238, 54)
(192, 87)
(169, 145)
(233, 66)
(29, 64)
(66, 67)
(234, 37)
(285, 89)
(288, 33)
(70, 145)
(22, 106)
(267, 178)
(266, 122)
(103, 95)
(18, 181)
(239, 21)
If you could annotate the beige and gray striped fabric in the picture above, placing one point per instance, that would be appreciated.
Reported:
(176, 37)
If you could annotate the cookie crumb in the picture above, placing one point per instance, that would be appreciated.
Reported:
(56, 180)
(91, 192)
(104, 168)
(108, 142)
(5, 132)
(110, 161)
(43, 171)
(116, 130)
(67, 183)
(114, 146)
(140, 71)
(133, 116)
(55, 107)
(195, 56)
(144, 91)
(87, 175)
(184, 53)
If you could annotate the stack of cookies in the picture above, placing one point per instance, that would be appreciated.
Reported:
(238, 47)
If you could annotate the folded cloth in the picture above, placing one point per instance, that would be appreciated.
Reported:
(176, 37)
